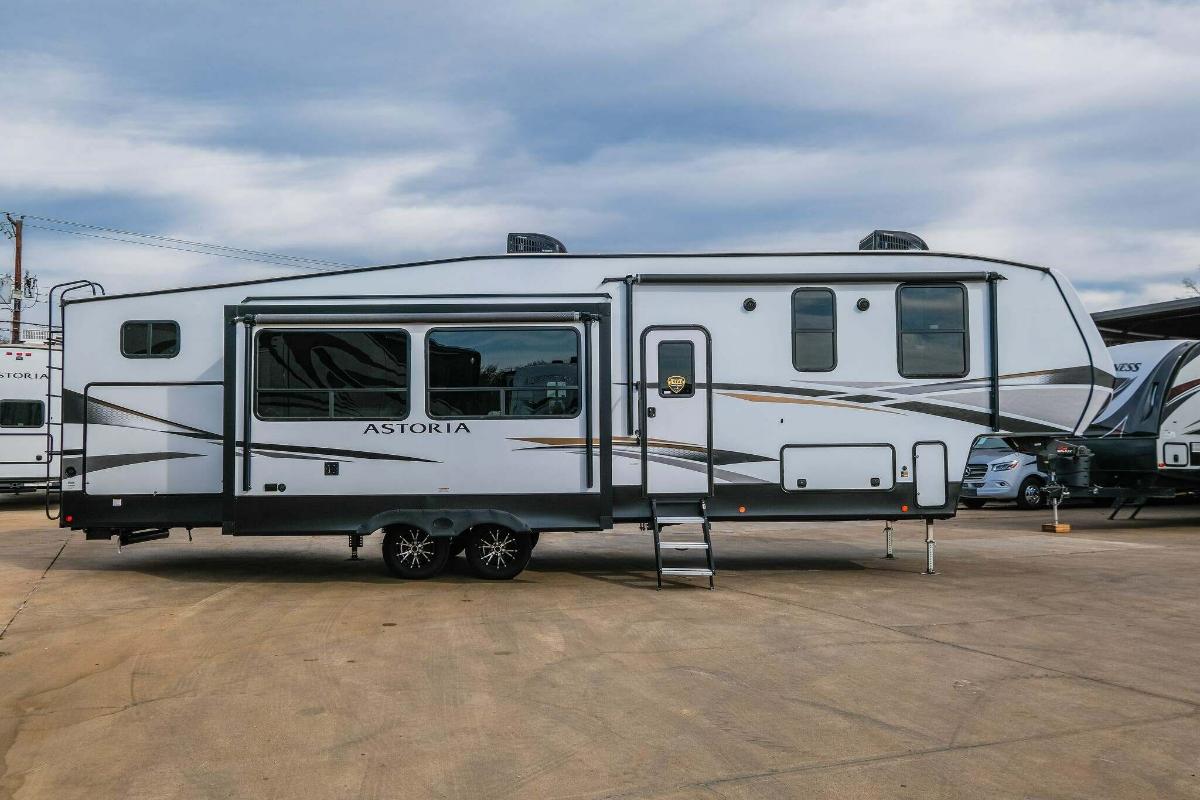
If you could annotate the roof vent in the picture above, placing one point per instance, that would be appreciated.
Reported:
(888, 240)
(534, 243)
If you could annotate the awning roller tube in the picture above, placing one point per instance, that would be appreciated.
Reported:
(317, 318)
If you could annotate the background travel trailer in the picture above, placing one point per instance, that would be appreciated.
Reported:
(549, 392)
(1148, 436)
(26, 448)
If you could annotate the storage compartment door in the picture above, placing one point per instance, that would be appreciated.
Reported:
(815, 468)
(929, 471)
(153, 439)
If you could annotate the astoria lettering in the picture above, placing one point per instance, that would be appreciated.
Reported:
(388, 428)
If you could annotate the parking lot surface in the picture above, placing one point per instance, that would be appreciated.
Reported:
(1033, 665)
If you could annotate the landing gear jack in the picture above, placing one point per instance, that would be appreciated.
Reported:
(929, 543)
(887, 538)
(356, 542)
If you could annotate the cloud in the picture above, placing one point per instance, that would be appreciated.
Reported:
(1055, 133)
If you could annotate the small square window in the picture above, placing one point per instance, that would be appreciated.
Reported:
(150, 339)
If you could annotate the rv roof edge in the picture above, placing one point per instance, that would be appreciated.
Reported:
(820, 277)
(567, 256)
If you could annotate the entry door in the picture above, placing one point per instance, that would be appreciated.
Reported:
(676, 402)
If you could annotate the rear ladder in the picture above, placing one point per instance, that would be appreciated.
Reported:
(54, 486)
(682, 512)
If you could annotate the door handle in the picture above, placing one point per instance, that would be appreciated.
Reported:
(651, 411)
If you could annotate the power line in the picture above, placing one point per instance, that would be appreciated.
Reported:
(181, 249)
(185, 245)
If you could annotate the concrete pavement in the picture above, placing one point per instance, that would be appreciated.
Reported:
(1034, 665)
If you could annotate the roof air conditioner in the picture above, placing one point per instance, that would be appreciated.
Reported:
(892, 240)
(534, 243)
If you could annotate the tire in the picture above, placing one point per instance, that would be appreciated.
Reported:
(533, 539)
(413, 554)
(972, 502)
(458, 544)
(496, 553)
(1029, 496)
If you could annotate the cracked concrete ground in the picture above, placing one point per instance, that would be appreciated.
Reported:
(1034, 665)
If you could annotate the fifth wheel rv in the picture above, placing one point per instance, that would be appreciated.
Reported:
(477, 402)
(25, 444)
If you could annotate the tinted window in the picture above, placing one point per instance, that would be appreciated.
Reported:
(22, 413)
(933, 331)
(814, 330)
(676, 369)
(150, 339)
(503, 372)
(332, 375)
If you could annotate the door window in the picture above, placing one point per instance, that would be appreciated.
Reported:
(676, 369)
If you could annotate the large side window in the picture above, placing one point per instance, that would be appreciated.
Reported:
(814, 330)
(150, 339)
(933, 331)
(22, 413)
(321, 374)
(503, 372)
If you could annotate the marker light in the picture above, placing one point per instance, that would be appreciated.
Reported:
(69, 518)
(904, 508)
(741, 509)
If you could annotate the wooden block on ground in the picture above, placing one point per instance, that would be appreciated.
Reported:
(1060, 527)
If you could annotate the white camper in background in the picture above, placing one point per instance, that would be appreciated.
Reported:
(26, 449)
(476, 402)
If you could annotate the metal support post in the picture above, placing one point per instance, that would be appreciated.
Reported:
(356, 542)
(929, 570)
(887, 535)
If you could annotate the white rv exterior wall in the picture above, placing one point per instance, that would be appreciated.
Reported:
(1042, 327)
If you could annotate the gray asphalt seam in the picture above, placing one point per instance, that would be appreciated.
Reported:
(34, 588)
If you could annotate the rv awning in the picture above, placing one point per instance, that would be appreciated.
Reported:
(377, 318)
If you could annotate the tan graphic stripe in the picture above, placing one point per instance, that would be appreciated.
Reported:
(775, 398)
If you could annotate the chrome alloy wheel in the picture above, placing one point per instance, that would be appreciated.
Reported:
(497, 553)
(498, 547)
(414, 549)
(413, 554)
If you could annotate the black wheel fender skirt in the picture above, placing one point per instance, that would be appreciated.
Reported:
(443, 522)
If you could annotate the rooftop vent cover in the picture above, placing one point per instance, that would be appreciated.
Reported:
(534, 243)
(885, 240)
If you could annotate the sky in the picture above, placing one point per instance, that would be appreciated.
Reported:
(1063, 134)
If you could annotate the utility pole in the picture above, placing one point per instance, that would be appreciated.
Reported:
(17, 225)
